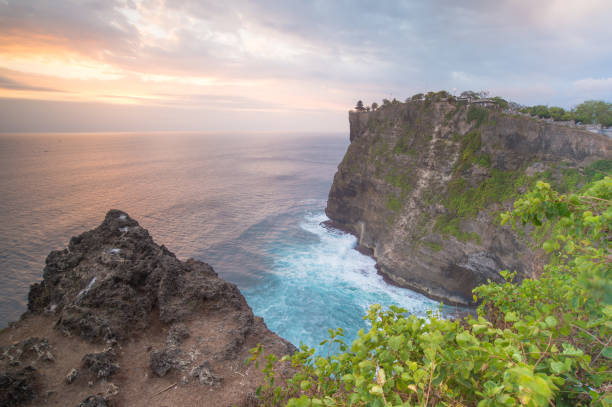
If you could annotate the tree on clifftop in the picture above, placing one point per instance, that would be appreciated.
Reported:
(374, 105)
(594, 112)
(470, 94)
(359, 106)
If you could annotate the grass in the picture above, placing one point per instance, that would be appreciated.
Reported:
(402, 180)
(403, 147)
(598, 170)
(448, 225)
(569, 179)
(478, 115)
(471, 153)
(448, 116)
(394, 203)
(433, 246)
(464, 202)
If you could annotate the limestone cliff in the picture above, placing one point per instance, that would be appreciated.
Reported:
(422, 184)
(120, 321)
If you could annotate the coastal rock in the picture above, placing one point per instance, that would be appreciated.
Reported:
(126, 308)
(72, 375)
(94, 401)
(105, 285)
(28, 351)
(17, 386)
(422, 183)
(165, 359)
(101, 365)
(177, 334)
(205, 376)
(19, 376)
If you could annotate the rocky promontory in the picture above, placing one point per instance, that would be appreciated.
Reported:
(422, 185)
(120, 321)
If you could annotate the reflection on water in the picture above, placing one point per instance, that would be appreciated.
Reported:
(249, 206)
(191, 191)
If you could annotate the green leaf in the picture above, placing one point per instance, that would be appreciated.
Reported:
(396, 342)
(464, 338)
(348, 378)
(303, 401)
(607, 352)
(557, 367)
(511, 317)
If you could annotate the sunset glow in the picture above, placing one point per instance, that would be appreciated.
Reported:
(308, 62)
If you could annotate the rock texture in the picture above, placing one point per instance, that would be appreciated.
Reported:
(119, 320)
(422, 183)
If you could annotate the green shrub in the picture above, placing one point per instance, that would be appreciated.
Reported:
(540, 342)
(589, 112)
(503, 103)
(594, 112)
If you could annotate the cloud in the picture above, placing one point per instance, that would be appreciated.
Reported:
(589, 84)
(298, 55)
(7, 83)
(590, 88)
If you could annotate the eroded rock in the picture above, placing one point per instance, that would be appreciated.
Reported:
(94, 401)
(72, 376)
(27, 351)
(420, 186)
(205, 376)
(177, 333)
(163, 360)
(17, 386)
(101, 365)
(114, 285)
(104, 286)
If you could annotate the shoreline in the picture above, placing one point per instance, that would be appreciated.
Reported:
(366, 251)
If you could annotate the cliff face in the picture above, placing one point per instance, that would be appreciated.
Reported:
(422, 184)
(119, 320)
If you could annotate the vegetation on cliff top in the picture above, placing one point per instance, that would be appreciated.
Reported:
(541, 342)
(589, 112)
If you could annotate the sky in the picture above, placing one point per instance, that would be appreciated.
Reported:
(252, 66)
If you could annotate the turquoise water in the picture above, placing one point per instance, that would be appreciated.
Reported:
(252, 206)
(326, 282)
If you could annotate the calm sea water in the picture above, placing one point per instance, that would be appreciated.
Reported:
(250, 205)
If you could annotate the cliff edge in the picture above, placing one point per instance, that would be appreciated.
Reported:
(423, 182)
(119, 320)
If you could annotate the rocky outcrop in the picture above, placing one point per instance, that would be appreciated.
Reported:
(422, 183)
(120, 320)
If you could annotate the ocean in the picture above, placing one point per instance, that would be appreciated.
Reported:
(251, 205)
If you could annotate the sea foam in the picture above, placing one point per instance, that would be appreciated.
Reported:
(324, 282)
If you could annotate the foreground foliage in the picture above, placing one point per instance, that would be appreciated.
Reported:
(540, 342)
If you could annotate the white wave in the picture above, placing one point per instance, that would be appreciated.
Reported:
(324, 283)
(342, 264)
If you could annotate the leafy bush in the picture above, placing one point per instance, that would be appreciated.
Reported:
(503, 103)
(589, 112)
(541, 342)
(594, 112)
